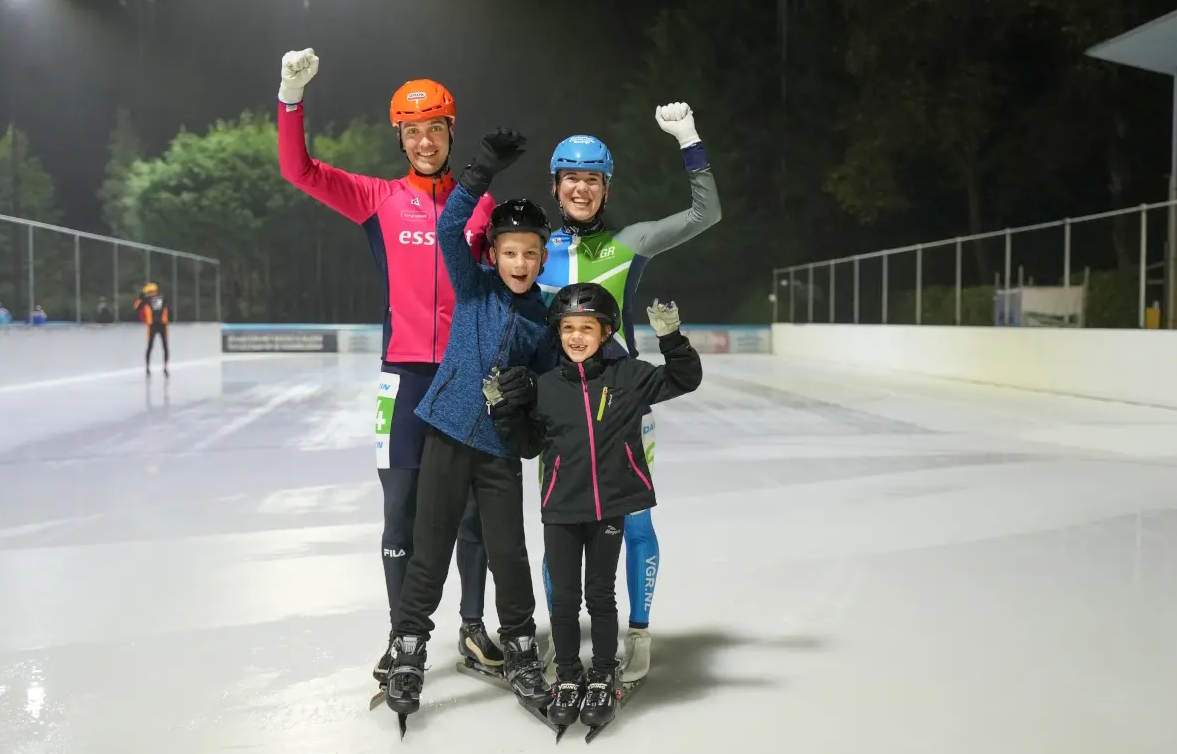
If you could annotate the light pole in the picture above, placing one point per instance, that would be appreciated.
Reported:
(13, 70)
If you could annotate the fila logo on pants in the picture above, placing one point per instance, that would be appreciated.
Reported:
(426, 237)
(394, 553)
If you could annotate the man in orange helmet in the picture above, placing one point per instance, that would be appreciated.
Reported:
(153, 310)
(400, 219)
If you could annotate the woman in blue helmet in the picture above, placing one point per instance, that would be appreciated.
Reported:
(584, 250)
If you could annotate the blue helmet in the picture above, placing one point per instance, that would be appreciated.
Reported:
(582, 153)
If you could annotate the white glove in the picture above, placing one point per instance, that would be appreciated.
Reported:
(664, 319)
(298, 68)
(677, 120)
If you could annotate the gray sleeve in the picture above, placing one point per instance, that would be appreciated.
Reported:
(650, 238)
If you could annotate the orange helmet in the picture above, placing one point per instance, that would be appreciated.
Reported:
(421, 99)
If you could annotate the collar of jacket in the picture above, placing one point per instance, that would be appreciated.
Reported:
(426, 183)
(574, 228)
(593, 365)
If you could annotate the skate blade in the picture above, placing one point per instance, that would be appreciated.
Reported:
(541, 714)
(482, 673)
(627, 692)
(379, 700)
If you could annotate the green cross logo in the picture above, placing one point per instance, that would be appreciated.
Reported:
(384, 407)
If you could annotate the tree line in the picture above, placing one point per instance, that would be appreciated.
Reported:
(833, 128)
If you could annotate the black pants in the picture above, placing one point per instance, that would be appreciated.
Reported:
(400, 512)
(598, 544)
(399, 469)
(160, 329)
(448, 470)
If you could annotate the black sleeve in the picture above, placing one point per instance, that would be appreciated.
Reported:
(520, 430)
(681, 374)
(545, 358)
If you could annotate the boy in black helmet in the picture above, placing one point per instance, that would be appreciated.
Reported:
(585, 418)
(500, 321)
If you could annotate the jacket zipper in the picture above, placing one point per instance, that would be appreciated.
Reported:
(588, 414)
(440, 388)
(498, 355)
(436, 254)
(552, 484)
(634, 464)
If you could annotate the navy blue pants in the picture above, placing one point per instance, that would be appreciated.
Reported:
(400, 437)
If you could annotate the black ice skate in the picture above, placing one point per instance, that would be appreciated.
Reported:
(524, 671)
(478, 651)
(622, 693)
(600, 698)
(407, 677)
(567, 696)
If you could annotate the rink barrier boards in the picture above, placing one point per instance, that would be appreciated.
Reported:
(1125, 366)
(713, 339)
(33, 354)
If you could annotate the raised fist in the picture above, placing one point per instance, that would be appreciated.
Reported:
(678, 120)
(298, 68)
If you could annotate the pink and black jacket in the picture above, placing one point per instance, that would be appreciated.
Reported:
(586, 421)
(400, 218)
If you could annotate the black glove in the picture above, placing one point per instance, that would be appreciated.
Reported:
(498, 150)
(517, 385)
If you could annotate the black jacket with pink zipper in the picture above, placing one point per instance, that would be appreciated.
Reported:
(586, 422)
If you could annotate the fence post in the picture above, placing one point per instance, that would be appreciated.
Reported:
(115, 297)
(1143, 260)
(832, 291)
(196, 287)
(147, 265)
(885, 258)
(792, 287)
(856, 290)
(32, 275)
(919, 285)
(809, 295)
(958, 276)
(78, 277)
(1009, 252)
(217, 294)
(175, 287)
(1067, 254)
(772, 297)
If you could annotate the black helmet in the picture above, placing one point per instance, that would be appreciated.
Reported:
(518, 216)
(585, 298)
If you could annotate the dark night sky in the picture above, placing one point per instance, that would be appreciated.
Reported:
(75, 61)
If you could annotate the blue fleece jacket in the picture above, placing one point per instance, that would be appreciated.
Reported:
(492, 326)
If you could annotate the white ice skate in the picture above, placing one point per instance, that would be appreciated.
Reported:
(637, 655)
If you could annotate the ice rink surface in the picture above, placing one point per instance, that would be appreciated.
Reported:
(850, 563)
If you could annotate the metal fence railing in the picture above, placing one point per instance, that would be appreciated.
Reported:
(69, 273)
(1110, 254)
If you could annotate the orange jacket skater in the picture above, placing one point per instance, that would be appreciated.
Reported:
(154, 311)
